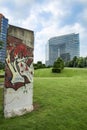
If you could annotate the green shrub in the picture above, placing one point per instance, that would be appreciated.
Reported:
(56, 70)
(39, 65)
(58, 66)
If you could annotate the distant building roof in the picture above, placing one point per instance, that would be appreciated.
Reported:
(1, 15)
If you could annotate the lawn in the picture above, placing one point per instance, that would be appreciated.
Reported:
(2, 72)
(67, 72)
(60, 102)
(1, 75)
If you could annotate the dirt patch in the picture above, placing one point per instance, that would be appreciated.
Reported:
(36, 106)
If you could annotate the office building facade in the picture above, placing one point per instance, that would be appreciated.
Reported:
(3, 37)
(65, 46)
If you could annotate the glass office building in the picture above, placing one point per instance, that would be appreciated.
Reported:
(65, 46)
(3, 36)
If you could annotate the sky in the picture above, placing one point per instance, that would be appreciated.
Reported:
(48, 18)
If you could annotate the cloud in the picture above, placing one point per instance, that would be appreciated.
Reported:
(83, 2)
(44, 35)
(48, 19)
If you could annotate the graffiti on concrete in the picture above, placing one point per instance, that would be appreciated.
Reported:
(19, 61)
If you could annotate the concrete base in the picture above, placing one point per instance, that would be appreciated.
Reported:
(18, 112)
(18, 102)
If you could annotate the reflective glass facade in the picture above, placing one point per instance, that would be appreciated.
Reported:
(3, 36)
(66, 47)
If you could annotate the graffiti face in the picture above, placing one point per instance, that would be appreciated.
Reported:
(18, 65)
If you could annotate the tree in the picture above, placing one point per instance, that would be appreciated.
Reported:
(85, 61)
(1, 44)
(2, 65)
(75, 61)
(58, 66)
(80, 62)
(72, 63)
(39, 65)
(35, 66)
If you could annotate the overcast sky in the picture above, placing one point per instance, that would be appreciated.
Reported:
(48, 18)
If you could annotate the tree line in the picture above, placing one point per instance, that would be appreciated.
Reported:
(80, 62)
(39, 65)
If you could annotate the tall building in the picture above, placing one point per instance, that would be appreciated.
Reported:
(65, 46)
(3, 36)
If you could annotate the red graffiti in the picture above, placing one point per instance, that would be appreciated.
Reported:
(20, 59)
(21, 50)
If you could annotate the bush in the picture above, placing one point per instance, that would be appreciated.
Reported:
(56, 70)
(39, 65)
(58, 66)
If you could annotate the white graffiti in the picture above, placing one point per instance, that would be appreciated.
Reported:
(24, 69)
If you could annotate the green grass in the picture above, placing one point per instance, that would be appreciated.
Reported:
(61, 101)
(2, 72)
(1, 80)
(67, 72)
